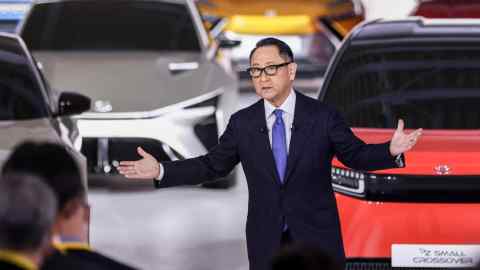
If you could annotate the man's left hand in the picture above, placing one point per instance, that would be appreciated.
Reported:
(402, 142)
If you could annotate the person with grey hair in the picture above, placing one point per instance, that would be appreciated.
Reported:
(27, 212)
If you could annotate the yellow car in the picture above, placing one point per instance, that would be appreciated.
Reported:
(312, 28)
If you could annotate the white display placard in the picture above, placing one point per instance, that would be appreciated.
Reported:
(432, 256)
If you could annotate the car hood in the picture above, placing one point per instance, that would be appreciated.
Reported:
(14, 132)
(129, 82)
(454, 152)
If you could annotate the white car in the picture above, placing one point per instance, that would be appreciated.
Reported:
(155, 77)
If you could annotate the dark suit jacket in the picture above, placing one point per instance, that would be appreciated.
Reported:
(8, 265)
(306, 200)
(73, 259)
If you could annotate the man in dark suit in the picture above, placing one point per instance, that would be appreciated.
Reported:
(27, 212)
(285, 142)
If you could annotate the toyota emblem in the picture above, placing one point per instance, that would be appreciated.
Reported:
(102, 106)
(442, 169)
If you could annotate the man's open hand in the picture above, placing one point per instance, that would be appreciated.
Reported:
(145, 168)
(402, 142)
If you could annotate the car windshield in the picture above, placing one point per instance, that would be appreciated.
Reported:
(20, 93)
(429, 86)
(111, 25)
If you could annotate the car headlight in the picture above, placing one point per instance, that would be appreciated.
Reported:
(348, 181)
(406, 187)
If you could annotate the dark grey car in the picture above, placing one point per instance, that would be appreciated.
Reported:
(29, 109)
(156, 78)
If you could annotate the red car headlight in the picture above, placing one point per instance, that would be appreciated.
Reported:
(406, 188)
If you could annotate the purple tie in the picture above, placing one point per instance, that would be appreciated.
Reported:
(279, 144)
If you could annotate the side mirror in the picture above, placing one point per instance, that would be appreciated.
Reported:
(226, 43)
(72, 103)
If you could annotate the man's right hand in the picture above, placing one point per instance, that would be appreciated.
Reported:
(145, 168)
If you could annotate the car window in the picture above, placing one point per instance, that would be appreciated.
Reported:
(20, 92)
(111, 25)
(429, 86)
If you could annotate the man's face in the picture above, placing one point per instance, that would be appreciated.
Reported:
(273, 88)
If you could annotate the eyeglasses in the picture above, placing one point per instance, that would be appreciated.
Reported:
(270, 70)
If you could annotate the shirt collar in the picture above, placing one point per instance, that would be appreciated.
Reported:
(65, 247)
(64, 243)
(288, 105)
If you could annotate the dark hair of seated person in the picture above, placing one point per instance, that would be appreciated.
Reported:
(54, 163)
(303, 257)
(58, 167)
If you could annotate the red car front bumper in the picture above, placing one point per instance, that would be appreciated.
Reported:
(370, 228)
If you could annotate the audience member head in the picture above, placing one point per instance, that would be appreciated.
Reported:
(56, 165)
(303, 257)
(27, 213)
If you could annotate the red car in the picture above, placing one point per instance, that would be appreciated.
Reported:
(427, 73)
(447, 9)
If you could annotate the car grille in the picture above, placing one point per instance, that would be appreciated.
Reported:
(377, 264)
(118, 149)
(367, 265)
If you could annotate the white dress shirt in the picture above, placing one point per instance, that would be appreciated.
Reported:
(288, 108)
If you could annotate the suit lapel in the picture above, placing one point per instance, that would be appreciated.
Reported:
(302, 125)
(261, 143)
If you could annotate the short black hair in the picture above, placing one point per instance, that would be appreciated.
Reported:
(283, 49)
(54, 163)
(28, 208)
